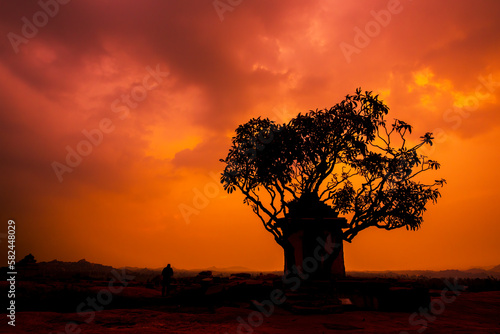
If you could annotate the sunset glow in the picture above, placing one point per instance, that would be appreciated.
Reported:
(115, 114)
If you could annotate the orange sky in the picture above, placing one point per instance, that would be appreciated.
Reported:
(88, 65)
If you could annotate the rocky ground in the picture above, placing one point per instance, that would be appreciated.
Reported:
(227, 307)
(470, 313)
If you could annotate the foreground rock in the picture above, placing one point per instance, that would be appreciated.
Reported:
(469, 313)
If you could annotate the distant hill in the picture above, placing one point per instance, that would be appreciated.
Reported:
(31, 269)
(84, 270)
(64, 270)
(470, 273)
(495, 269)
(232, 269)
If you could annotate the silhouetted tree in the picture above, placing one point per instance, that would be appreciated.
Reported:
(346, 159)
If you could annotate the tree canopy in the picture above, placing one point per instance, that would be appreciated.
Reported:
(347, 158)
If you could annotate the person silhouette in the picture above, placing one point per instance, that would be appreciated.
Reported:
(166, 274)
